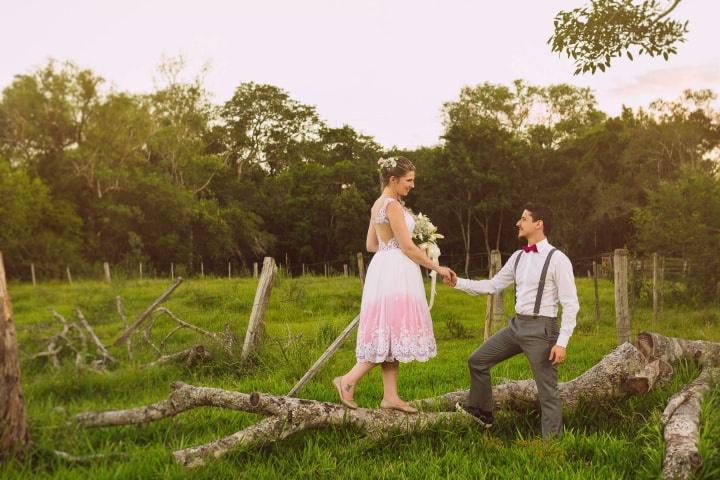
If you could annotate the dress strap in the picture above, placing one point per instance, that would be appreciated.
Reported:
(381, 216)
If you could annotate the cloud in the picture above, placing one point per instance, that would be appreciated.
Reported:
(671, 79)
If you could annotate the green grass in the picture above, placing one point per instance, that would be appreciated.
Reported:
(617, 440)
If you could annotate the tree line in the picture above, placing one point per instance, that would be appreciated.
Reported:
(90, 174)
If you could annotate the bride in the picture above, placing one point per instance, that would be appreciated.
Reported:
(395, 324)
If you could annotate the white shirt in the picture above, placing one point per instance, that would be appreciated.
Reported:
(559, 286)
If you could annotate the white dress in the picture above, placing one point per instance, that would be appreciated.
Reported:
(395, 321)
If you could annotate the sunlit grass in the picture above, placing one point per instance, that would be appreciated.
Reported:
(617, 440)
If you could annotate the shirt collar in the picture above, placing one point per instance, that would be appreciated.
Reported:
(543, 246)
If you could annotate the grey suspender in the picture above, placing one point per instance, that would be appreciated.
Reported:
(543, 276)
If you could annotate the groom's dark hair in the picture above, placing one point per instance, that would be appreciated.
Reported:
(541, 212)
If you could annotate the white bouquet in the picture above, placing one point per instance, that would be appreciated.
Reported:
(425, 236)
(425, 232)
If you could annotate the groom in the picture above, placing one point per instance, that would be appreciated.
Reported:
(543, 276)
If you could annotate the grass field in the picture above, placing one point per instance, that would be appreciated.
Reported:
(617, 440)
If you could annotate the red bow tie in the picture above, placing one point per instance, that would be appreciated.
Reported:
(530, 248)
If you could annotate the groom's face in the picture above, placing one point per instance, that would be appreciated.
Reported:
(527, 226)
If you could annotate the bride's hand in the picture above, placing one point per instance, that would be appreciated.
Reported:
(446, 273)
(449, 276)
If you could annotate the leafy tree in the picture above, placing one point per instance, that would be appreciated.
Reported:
(680, 219)
(264, 126)
(33, 227)
(594, 35)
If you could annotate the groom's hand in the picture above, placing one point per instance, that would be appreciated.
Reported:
(557, 355)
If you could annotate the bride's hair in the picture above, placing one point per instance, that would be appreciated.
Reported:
(393, 167)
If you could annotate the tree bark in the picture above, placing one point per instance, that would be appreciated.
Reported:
(682, 427)
(627, 370)
(606, 380)
(13, 422)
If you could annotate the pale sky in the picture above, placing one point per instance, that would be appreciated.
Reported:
(383, 67)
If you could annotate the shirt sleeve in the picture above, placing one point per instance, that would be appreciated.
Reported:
(499, 282)
(567, 295)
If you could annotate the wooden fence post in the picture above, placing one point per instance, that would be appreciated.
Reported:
(255, 270)
(622, 317)
(140, 267)
(106, 267)
(69, 276)
(655, 290)
(345, 270)
(13, 432)
(361, 269)
(32, 272)
(597, 293)
(632, 264)
(257, 316)
(172, 271)
(202, 270)
(661, 286)
(303, 269)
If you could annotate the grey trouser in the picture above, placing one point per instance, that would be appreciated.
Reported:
(534, 336)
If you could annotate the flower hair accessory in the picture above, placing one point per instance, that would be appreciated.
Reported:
(387, 163)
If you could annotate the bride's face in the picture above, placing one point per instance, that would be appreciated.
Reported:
(403, 185)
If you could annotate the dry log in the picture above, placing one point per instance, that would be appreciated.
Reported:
(88, 458)
(191, 356)
(625, 371)
(605, 380)
(653, 346)
(682, 425)
(267, 430)
(641, 382)
(295, 415)
(128, 331)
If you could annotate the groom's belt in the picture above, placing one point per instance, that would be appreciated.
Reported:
(533, 317)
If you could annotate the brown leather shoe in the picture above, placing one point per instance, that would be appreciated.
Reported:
(337, 381)
(396, 406)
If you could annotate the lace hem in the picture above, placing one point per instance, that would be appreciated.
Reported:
(406, 348)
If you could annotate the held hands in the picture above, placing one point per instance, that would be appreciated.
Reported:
(449, 277)
(557, 355)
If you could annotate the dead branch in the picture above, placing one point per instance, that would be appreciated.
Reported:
(191, 356)
(88, 458)
(121, 312)
(106, 358)
(128, 331)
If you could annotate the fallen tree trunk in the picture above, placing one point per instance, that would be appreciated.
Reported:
(625, 371)
(682, 427)
(606, 380)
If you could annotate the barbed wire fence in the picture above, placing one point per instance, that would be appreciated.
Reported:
(648, 281)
